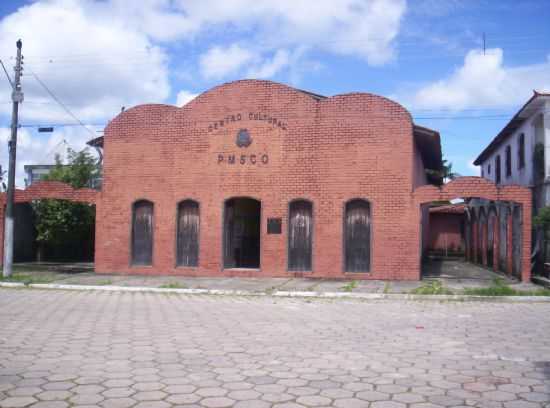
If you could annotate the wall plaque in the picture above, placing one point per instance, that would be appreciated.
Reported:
(274, 225)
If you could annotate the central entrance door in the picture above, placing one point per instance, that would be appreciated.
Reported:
(242, 219)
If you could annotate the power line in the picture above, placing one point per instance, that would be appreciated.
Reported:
(7, 75)
(65, 108)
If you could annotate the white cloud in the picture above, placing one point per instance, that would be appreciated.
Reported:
(270, 67)
(88, 57)
(234, 60)
(473, 167)
(358, 28)
(184, 97)
(483, 81)
(219, 62)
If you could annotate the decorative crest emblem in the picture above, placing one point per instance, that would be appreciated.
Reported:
(243, 138)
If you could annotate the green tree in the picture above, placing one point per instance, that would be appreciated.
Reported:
(445, 174)
(64, 223)
(542, 220)
(447, 171)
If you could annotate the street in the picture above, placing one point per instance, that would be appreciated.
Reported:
(114, 350)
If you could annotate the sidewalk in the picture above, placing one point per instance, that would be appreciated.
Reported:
(78, 276)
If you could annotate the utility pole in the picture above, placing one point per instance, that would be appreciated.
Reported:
(17, 98)
(484, 43)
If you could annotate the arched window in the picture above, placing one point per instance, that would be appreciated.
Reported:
(300, 235)
(188, 233)
(357, 226)
(142, 233)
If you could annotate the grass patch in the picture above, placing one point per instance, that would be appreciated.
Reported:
(432, 288)
(387, 287)
(28, 278)
(105, 282)
(499, 288)
(172, 285)
(350, 286)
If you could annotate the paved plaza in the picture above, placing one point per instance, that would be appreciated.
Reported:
(152, 350)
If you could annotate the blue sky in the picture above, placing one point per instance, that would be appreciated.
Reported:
(97, 56)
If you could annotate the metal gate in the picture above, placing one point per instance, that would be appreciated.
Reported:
(357, 236)
(142, 233)
(300, 231)
(188, 234)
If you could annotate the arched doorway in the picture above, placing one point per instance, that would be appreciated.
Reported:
(300, 232)
(357, 230)
(241, 233)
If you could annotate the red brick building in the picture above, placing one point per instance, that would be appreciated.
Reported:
(255, 178)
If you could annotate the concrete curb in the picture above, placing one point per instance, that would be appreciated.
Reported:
(12, 285)
(285, 294)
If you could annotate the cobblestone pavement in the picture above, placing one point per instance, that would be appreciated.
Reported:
(145, 350)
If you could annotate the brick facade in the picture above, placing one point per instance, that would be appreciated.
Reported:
(325, 150)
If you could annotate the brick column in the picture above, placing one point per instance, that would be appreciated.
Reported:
(475, 241)
(2, 208)
(509, 249)
(496, 242)
(484, 232)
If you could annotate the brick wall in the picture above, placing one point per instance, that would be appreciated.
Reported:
(324, 150)
(445, 232)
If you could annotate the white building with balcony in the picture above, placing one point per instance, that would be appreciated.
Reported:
(520, 153)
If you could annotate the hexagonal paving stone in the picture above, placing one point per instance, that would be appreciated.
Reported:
(521, 404)
(408, 397)
(119, 382)
(183, 398)
(152, 404)
(86, 399)
(217, 402)
(149, 396)
(24, 391)
(387, 404)
(50, 404)
(54, 395)
(118, 392)
(58, 386)
(242, 395)
(252, 404)
(211, 392)
(350, 403)
(372, 396)
(117, 403)
(88, 389)
(335, 393)
(277, 397)
(313, 401)
(535, 396)
(17, 402)
(499, 396)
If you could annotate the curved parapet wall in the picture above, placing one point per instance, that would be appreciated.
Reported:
(54, 190)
